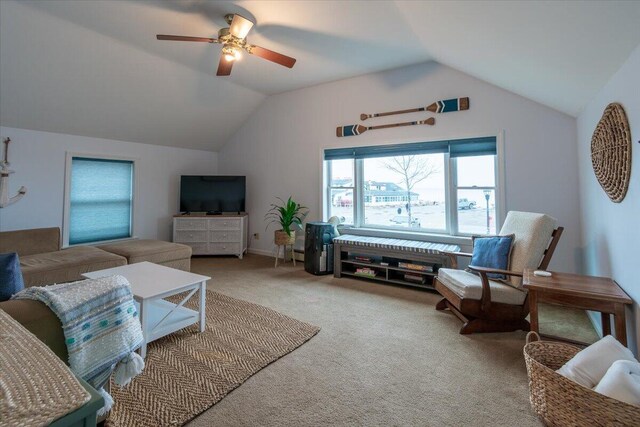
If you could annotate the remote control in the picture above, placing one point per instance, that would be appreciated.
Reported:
(542, 273)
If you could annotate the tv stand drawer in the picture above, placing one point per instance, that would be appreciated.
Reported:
(224, 248)
(224, 224)
(191, 224)
(211, 235)
(191, 236)
(224, 236)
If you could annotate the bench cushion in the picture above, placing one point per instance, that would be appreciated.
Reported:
(469, 286)
(66, 265)
(415, 246)
(155, 251)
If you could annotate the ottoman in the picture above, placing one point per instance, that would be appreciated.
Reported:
(169, 254)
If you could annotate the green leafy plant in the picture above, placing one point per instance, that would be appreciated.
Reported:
(289, 215)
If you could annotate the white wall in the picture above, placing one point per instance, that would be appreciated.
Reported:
(38, 159)
(279, 148)
(611, 231)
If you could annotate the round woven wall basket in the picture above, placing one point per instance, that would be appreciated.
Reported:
(611, 152)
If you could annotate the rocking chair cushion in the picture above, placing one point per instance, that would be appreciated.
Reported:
(532, 235)
(469, 286)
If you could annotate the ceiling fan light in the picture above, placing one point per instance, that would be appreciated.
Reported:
(230, 53)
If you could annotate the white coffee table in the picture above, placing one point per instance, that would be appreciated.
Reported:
(150, 283)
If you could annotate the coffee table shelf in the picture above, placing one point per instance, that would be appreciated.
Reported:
(159, 310)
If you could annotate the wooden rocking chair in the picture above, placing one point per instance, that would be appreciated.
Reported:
(486, 305)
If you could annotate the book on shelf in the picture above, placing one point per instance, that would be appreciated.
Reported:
(415, 278)
(384, 264)
(365, 272)
(417, 267)
(361, 258)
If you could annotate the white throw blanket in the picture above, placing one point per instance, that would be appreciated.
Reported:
(622, 382)
(589, 366)
(101, 328)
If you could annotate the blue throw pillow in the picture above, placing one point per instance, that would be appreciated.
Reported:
(10, 276)
(492, 252)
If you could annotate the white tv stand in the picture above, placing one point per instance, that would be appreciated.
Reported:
(212, 234)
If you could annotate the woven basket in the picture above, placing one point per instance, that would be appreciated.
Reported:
(281, 238)
(559, 401)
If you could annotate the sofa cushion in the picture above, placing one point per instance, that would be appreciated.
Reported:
(29, 242)
(10, 276)
(467, 285)
(155, 251)
(38, 319)
(66, 265)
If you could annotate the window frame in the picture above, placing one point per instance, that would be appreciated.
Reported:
(451, 233)
(329, 188)
(454, 196)
(67, 196)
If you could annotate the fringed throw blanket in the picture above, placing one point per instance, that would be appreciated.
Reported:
(101, 327)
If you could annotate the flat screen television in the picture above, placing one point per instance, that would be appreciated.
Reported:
(212, 194)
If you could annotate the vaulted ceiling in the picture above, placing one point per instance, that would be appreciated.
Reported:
(94, 68)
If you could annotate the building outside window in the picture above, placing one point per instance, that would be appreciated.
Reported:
(442, 187)
(99, 199)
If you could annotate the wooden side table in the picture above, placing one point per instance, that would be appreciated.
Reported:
(585, 292)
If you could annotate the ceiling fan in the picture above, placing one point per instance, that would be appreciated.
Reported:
(233, 41)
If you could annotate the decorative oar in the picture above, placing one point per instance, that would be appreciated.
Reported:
(444, 106)
(352, 130)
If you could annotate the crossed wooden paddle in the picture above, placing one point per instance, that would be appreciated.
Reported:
(443, 106)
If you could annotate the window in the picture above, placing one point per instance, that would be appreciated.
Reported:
(442, 187)
(99, 199)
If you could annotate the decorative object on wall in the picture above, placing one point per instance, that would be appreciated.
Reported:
(444, 106)
(5, 200)
(611, 152)
(352, 130)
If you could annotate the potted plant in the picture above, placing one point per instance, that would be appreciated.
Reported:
(289, 215)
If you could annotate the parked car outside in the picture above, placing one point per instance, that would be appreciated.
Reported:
(404, 221)
(466, 204)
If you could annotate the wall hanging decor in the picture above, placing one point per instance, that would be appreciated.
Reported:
(5, 200)
(352, 130)
(444, 106)
(611, 152)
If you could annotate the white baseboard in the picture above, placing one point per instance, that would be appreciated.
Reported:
(595, 321)
(272, 253)
(262, 252)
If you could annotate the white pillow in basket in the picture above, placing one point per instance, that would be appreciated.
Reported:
(622, 382)
(588, 366)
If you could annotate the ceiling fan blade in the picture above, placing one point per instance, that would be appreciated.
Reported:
(185, 38)
(224, 67)
(272, 56)
(240, 26)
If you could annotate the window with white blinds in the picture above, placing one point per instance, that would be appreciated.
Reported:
(100, 195)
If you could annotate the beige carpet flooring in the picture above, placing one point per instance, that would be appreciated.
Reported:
(384, 356)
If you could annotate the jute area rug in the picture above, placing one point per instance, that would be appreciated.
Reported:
(187, 372)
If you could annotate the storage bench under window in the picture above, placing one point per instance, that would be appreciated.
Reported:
(396, 261)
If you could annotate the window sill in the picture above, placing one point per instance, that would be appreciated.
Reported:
(409, 235)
